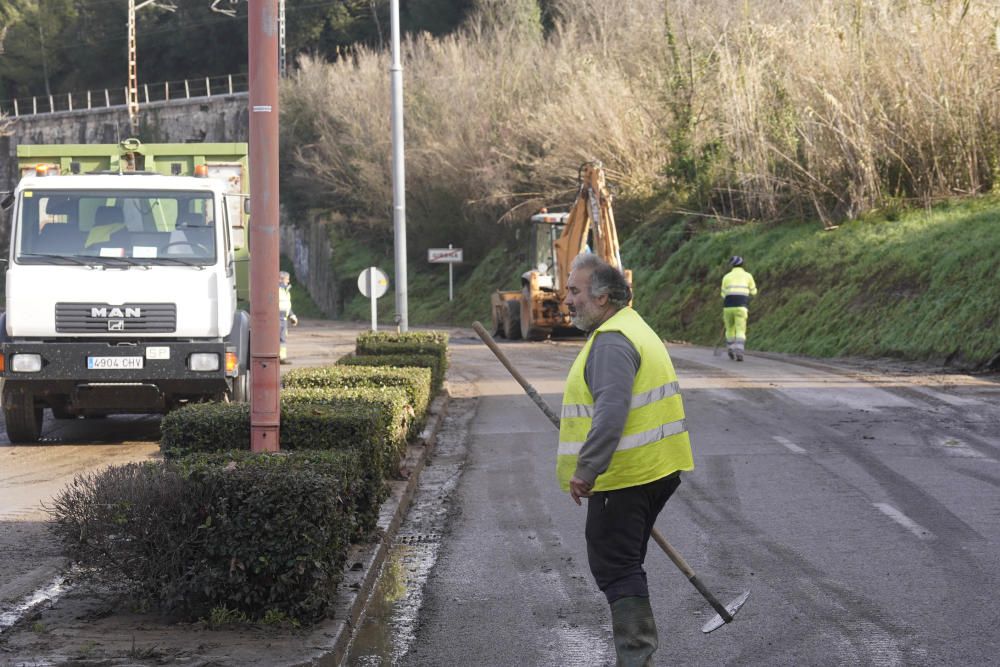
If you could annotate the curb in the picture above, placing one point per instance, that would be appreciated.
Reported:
(330, 640)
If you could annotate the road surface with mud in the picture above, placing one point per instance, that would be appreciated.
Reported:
(858, 503)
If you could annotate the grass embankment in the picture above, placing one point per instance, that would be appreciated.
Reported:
(921, 286)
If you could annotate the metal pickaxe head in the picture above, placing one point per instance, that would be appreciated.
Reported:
(719, 620)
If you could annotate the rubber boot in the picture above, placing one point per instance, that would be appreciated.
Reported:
(634, 631)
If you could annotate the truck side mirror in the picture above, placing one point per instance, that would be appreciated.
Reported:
(7, 201)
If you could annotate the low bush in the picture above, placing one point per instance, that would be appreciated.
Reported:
(414, 342)
(253, 533)
(430, 361)
(415, 381)
(373, 421)
(205, 427)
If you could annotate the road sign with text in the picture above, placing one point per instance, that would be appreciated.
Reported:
(444, 255)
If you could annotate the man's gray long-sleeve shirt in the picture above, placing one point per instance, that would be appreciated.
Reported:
(610, 372)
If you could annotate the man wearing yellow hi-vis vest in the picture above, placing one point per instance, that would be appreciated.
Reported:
(622, 444)
(737, 288)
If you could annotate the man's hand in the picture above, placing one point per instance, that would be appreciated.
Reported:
(294, 320)
(579, 489)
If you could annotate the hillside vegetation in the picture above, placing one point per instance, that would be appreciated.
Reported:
(722, 126)
(921, 286)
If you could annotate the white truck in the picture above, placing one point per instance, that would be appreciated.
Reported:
(126, 271)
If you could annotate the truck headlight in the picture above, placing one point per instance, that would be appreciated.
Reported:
(204, 361)
(26, 363)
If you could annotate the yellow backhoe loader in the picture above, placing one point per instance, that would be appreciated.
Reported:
(537, 310)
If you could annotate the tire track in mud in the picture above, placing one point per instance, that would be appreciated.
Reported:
(865, 633)
(859, 627)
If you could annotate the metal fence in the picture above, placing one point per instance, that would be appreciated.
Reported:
(209, 86)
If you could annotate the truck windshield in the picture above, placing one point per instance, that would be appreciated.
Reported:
(167, 227)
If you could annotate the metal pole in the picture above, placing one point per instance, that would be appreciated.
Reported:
(133, 81)
(265, 417)
(371, 294)
(398, 173)
(281, 39)
(450, 292)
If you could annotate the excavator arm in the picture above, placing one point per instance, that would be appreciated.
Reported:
(591, 211)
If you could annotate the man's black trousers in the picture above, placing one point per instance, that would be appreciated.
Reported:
(618, 527)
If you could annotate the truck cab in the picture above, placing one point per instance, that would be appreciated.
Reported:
(122, 291)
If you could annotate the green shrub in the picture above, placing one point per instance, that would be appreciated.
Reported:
(373, 421)
(416, 382)
(256, 534)
(205, 427)
(414, 342)
(430, 361)
(412, 338)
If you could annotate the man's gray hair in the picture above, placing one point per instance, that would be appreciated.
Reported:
(284, 274)
(604, 279)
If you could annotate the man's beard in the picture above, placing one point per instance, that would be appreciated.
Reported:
(583, 322)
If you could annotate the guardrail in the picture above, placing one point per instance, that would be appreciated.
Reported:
(209, 86)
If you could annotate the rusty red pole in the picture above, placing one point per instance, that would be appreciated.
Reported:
(265, 417)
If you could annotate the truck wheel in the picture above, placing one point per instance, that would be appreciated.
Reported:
(23, 416)
(512, 320)
(241, 387)
(528, 330)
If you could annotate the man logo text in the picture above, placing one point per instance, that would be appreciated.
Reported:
(116, 312)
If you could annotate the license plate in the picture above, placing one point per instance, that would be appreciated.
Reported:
(114, 363)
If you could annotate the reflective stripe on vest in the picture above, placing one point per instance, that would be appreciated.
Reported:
(738, 283)
(638, 400)
(655, 441)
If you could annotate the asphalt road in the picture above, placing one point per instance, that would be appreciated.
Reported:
(860, 506)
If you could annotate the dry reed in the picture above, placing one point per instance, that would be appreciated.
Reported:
(774, 109)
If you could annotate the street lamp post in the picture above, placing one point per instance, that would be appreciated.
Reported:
(133, 79)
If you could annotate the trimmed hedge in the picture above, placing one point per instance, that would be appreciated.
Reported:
(255, 533)
(416, 382)
(400, 361)
(376, 419)
(412, 342)
(371, 421)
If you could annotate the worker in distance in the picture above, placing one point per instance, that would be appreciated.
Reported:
(737, 288)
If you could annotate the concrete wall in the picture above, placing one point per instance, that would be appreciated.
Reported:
(220, 118)
(310, 250)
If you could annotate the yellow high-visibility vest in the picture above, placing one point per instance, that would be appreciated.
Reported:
(737, 288)
(655, 440)
(284, 299)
